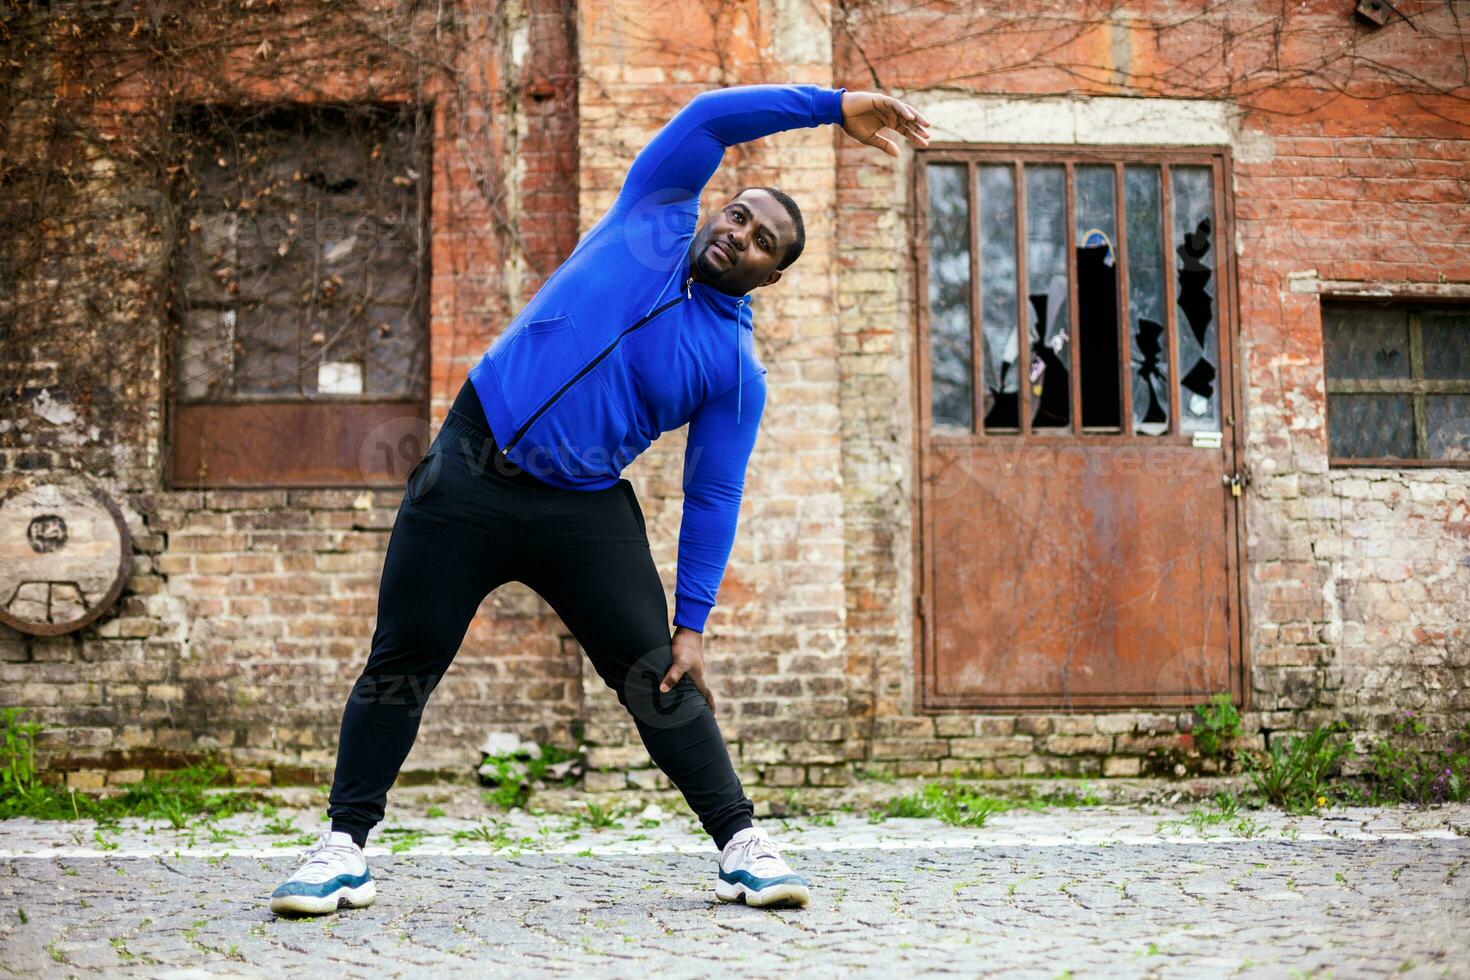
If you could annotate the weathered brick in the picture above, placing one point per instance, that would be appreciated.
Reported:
(990, 747)
(1122, 765)
(1078, 744)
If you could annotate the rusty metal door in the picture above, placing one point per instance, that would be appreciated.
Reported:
(1079, 525)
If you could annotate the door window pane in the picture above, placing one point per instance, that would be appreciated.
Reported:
(1046, 294)
(1143, 211)
(1195, 290)
(998, 320)
(1096, 224)
(951, 403)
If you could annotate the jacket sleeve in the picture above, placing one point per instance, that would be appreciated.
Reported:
(714, 479)
(681, 158)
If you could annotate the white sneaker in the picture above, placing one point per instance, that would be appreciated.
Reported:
(751, 871)
(333, 873)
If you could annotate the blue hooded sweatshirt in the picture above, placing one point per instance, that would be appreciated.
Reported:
(620, 345)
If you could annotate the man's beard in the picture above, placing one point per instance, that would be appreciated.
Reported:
(707, 271)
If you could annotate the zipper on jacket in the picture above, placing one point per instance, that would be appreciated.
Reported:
(546, 405)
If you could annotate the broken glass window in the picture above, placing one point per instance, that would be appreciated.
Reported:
(1143, 211)
(951, 395)
(1049, 372)
(1196, 257)
(1096, 224)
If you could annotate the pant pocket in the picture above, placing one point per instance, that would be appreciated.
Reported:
(637, 508)
(424, 476)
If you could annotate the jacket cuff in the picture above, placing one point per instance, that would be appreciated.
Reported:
(691, 613)
(827, 106)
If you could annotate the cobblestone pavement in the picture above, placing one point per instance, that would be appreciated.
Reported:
(1131, 891)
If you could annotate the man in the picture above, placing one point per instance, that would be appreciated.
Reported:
(645, 327)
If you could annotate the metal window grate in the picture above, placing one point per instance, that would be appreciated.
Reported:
(301, 271)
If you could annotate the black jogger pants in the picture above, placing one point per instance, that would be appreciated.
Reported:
(471, 521)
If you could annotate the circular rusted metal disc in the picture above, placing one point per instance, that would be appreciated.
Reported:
(65, 554)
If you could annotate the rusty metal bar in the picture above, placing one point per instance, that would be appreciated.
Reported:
(1074, 317)
(1166, 182)
(977, 348)
(1023, 324)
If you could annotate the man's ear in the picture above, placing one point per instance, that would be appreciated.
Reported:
(773, 278)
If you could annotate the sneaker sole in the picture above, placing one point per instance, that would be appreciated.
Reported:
(784, 895)
(353, 898)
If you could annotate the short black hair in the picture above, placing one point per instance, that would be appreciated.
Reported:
(793, 250)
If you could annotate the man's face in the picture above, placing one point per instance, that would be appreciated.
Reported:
(739, 246)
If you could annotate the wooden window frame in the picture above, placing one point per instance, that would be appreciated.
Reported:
(1070, 156)
(1416, 386)
(323, 422)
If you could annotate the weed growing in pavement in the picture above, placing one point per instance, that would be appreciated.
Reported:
(951, 802)
(1295, 771)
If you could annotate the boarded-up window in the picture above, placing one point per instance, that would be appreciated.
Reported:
(1398, 383)
(300, 291)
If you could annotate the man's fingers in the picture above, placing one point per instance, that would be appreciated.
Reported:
(671, 678)
(708, 694)
(883, 143)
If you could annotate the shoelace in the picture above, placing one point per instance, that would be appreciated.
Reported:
(759, 845)
(320, 852)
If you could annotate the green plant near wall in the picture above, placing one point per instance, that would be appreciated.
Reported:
(952, 802)
(1295, 771)
(20, 790)
(1217, 722)
(514, 776)
(1406, 771)
(174, 796)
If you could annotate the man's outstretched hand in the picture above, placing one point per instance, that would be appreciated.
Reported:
(865, 113)
(688, 659)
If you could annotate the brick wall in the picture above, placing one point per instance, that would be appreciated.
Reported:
(249, 613)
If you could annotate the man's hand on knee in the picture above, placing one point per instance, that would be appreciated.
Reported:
(688, 659)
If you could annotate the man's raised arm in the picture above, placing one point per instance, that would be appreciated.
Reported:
(683, 156)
